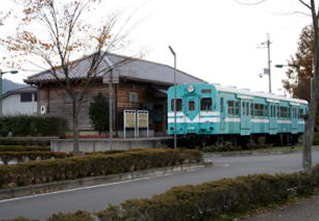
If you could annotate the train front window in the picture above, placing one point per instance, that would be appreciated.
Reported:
(191, 105)
(206, 104)
(179, 104)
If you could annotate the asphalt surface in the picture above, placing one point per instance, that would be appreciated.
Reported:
(96, 198)
(305, 210)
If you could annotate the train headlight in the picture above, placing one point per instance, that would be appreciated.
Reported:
(190, 88)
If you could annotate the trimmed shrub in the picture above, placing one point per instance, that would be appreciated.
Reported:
(78, 216)
(32, 125)
(6, 157)
(210, 200)
(25, 142)
(207, 201)
(99, 113)
(21, 219)
(19, 148)
(34, 172)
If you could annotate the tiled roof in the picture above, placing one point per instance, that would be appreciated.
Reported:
(129, 68)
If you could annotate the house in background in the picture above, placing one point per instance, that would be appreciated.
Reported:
(22, 101)
(142, 85)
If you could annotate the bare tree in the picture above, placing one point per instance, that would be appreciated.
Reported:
(56, 32)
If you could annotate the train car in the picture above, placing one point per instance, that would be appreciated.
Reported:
(217, 113)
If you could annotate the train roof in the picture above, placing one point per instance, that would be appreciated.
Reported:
(247, 92)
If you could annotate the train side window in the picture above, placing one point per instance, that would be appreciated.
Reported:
(272, 111)
(230, 108)
(300, 113)
(243, 107)
(179, 104)
(252, 110)
(236, 108)
(222, 105)
(206, 104)
(191, 105)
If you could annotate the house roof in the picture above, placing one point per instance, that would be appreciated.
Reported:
(128, 68)
(20, 91)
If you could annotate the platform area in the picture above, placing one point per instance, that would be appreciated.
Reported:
(104, 144)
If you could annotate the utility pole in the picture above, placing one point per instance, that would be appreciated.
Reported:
(268, 70)
(175, 125)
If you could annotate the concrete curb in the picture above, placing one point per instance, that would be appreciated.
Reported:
(92, 181)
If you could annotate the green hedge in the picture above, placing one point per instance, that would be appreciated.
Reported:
(209, 201)
(19, 148)
(34, 172)
(6, 157)
(77, 216)
(23, 142)
(32, 125)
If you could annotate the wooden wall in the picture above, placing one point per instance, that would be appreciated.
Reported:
(54, 98)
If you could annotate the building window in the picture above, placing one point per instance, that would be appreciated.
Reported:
(133, 97)
(206, 104)
(35, 97)
(179, 104)
(26, 97)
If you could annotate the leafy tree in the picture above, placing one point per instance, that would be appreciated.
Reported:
(63, 30)
(99, 113)
(301, 66)
(312, 6)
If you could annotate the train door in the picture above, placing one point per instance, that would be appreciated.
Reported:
(245, 125)
(191, 113)
(222, 114)
(294, 120)
(272, 113)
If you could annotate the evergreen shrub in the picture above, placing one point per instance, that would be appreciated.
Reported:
(23, 156)
(99, 113)
(34, 172)
(24, 142)
(77, 216)
(32, 126)
(20, 148)
(211, 200)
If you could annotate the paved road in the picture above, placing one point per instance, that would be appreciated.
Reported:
(306, 210)
(97, 198)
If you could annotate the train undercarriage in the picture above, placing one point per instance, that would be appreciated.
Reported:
(236, 141)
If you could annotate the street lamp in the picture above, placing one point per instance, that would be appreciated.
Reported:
(175, 137)
(2, 73)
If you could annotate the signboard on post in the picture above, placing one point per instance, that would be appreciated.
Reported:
(129, 121)
(142, 120)
(136, 119)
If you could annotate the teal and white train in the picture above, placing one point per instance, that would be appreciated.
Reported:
(234, 114)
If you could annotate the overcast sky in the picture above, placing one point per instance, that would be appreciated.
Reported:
(218, 41)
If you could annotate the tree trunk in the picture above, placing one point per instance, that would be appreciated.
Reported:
(311, 115)
(75, 113)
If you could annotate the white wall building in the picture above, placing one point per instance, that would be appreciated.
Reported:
(23, 101)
